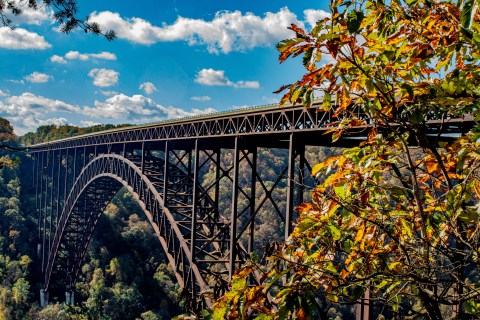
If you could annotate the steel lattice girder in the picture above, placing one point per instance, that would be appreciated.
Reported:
(251, 122)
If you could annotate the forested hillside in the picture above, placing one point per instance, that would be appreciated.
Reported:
(53, 132)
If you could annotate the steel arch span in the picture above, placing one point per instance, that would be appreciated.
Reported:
(93, 189)
(205, 237)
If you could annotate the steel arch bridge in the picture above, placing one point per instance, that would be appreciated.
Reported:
(162, 166)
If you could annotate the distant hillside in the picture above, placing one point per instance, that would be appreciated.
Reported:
(54, 132)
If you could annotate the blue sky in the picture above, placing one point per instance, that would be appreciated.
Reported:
(171, 59)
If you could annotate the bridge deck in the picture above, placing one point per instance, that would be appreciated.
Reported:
(184, 120)
(254, 121)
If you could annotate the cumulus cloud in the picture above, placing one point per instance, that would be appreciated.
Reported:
(227, 31)
(57, 59)
(104, 77)
(28, 111)
(104, 55)
(88, 123)
(29, 15)
(28, 102)
(211, 77)
(312, 16)
(21, 39)
(107, 93)
(37, 77)
(138, 108)
(201, 98)
(3, 93)
(148, 87)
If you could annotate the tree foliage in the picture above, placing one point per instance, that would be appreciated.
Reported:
(398, 215)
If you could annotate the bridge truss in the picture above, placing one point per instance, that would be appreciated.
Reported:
(163, 166)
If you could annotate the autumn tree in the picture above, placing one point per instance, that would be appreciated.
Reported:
(398, 215)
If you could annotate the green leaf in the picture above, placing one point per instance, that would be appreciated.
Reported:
(467, 13)
(466, 33)
(354, 20)
(275, 279)
(238, 283)
(330, 267)
(327, 101)
(334, 231)
(308, 56)
(219, 312)
(340, 192)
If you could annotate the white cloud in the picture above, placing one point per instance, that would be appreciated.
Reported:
(138, 109)
(312, 16)
(201, 98)
(211, 77)
(148, 87)
(29, 102)
(57, 59)
(107, 93)
(37, 77)
(3, 93)
(104, 55)
(226, 32)
(104, 77)
(15, 81)
(88, 123)
(28, 111)
(21, 39)
(247, 84)
(29, 15)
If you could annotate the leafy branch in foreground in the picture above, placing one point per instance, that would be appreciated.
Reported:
(397, 216)
(65, 13)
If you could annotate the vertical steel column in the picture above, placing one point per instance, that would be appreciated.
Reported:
(59, 170)
(84, 157)
(364, 312)
(74, 166)
(143, 157)
(39, 206)
(52, 189)
(194, 201)
(39, 200)
(233, 213)
(290, 187)
(301, 173)
(65, 186)
(252, 200)
(218, 168)
(45, 211)
(76, 224)
(166, 172)
(34, 176)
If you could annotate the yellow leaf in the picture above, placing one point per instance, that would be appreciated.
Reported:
(317, 168)
(360, 233)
